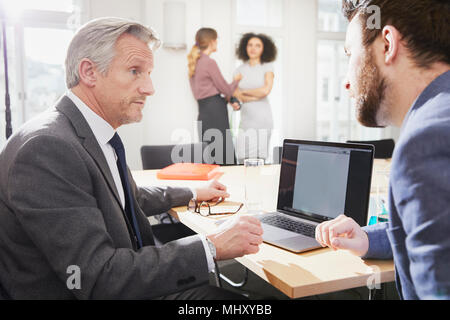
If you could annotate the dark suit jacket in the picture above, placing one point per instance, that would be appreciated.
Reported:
(417, 235)
(59, 207)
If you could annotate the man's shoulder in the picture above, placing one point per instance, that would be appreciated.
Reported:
(424, 145)
(427, 129)
(49, 123)
(47, 128)
(44, 138)
(435, 109)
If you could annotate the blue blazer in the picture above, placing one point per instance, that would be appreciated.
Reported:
(417, 235)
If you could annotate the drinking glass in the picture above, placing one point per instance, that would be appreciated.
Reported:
(253, 185)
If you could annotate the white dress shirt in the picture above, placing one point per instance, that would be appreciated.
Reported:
(103, 132)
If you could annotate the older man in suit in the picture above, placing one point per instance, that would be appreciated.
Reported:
(68, 202)
(400, 75)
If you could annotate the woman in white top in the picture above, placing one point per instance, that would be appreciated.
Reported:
(257, 51)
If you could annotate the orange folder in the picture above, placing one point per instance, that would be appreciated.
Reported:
(189, 171)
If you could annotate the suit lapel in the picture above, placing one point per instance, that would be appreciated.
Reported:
(66, 106)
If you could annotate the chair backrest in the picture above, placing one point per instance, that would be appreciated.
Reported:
(158, 157)
(383, 148)
(277, 153)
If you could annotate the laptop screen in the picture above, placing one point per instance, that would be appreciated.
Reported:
(322, 180)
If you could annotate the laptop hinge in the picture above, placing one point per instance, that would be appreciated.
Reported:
(301, 216)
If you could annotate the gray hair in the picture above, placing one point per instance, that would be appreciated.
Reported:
(96, 41)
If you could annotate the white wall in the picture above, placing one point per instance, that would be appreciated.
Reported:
(300, 118)
(173, 110)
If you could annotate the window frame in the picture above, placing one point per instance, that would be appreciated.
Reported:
(33, 18)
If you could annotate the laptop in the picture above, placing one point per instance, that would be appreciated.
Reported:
(318, 182)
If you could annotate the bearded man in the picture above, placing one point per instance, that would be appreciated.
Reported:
(399, 75)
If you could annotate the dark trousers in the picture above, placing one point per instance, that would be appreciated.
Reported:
(164, 233)
(213, 120)
(206, 292)
(3, 294)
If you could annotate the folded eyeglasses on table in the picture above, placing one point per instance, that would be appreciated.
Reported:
(212, 208)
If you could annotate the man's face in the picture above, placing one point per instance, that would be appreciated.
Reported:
(122, 92)
(364, 82)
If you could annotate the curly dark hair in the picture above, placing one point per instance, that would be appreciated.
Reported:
(270, 50)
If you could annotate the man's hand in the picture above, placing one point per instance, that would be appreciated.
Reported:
(237, 237)
(212, 192)
(343, 233)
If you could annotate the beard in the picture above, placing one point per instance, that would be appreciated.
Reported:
(372, 93)
(131, 113)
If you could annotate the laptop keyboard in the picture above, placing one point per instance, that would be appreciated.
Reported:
(288, 224)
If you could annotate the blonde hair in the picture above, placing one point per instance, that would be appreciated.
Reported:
(203, 38)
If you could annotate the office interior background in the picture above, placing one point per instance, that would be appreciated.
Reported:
(308, 100)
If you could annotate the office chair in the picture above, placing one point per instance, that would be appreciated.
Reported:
(158, 157)
(383, 148)
(277, 153)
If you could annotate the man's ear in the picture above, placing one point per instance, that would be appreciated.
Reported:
(391, 40)
(87, 72)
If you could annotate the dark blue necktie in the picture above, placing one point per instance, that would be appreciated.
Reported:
(117, 144)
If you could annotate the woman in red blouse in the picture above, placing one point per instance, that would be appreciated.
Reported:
(212, 93)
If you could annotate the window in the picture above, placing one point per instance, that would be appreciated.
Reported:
(330, 17)
(264, 16)
(263, 13)
(19, 6)
(325, 89)
(336, 119)
(333, 107)
(38, 34)
(45, 51)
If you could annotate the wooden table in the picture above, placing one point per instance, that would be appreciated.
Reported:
(296, 275)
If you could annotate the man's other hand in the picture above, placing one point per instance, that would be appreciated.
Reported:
(212, 192)
(343, 233)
